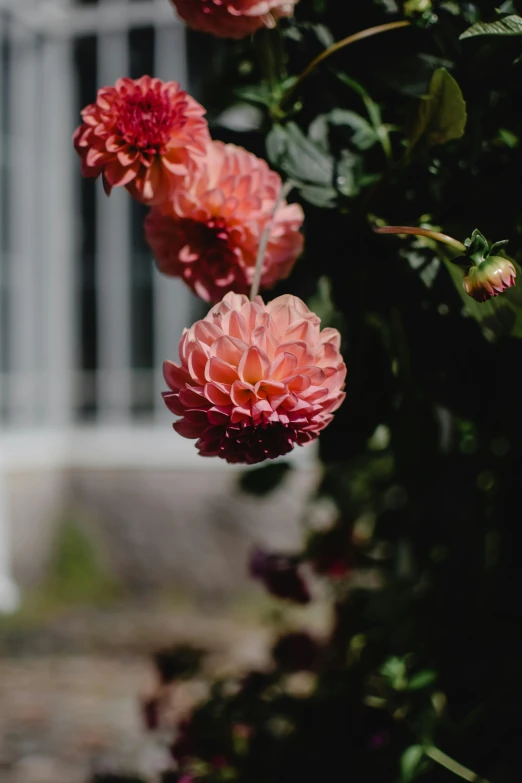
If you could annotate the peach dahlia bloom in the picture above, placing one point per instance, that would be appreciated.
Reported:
(255, 379)
(232, 18)
(142, 134)
(209, 232)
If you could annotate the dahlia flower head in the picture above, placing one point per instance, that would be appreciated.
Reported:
(145, 135)
(490, 278)
(209, 232)
(232, 18)
(254, 379)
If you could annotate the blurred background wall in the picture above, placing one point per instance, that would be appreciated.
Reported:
(85, 324)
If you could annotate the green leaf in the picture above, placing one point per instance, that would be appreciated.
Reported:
(394, 672)
(276, 144)
(442, 113)
(348, 174)
(324, 35)
(410, 761)
(258, 94)
(509, 25)
(307, 162)
(318, 132)
(321, 303)
(496, 246)
(298, 156)
(478, 246)
(319, 196)
(422, 680)
(508, 138)
(261, 481)
(364, 135)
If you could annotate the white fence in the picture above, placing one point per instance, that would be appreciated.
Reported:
(58, 407)
(43, 379)
(45, 385)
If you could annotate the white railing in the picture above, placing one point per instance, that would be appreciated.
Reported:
(39, 273)
(59, 18)
(42, 386)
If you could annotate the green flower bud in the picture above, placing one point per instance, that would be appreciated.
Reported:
(417, 6)
(490, 278)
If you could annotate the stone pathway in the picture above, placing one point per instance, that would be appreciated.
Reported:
(74, 707)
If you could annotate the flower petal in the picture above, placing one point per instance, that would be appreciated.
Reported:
(254, 365)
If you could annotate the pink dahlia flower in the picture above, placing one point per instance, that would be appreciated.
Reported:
(232, 18)
(255, 379)
(143, 135)
(209, 232)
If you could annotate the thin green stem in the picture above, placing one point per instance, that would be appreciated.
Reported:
(268, 60)
(285, 190)
(422, 232)
(382, 28)
(453, 766)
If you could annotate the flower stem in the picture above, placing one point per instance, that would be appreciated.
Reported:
(382, 28)
(422, 232)
(283, 193)
(453, 766)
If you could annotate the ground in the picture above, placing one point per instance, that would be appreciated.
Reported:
(70, 692)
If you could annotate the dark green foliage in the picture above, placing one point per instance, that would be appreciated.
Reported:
(177, 663)
(424, 459)
(259, 481)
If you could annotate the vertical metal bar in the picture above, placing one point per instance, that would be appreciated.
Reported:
(9, 598)
(173, 301)
(57, 208)
(22, 161)
(113, 262)
(2, 226)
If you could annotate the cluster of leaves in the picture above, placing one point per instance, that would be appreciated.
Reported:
(417, 126)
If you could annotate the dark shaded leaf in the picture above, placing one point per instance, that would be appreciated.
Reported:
(509, 25)
(324, 35)
(410, 761)
(422, 680)
(261, 481)
(298, 156)
(347, 175)
(276, 144)
(496, 246)
(319, 196)
(308, 163)
(178, 663)
(442, 113)
(255, 93)
(364, 135)
(321, 303)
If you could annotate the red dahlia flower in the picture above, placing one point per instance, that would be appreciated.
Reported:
(143, 135)
(232, 18)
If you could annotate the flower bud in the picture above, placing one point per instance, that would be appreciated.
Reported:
(490, 278)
